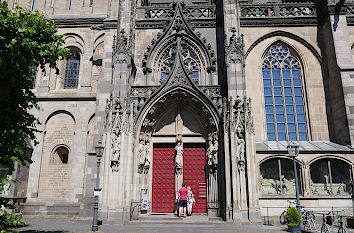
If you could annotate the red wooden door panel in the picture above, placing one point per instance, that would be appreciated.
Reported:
(163, 179)
(194, 174)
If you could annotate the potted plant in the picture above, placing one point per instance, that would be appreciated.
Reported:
(294, 218)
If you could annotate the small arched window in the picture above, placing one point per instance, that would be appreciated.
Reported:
(190, 59)
(60, 156)
(330, 177)
(72, 69)
(277, 177)
(283, 93)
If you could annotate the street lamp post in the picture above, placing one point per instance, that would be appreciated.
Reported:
(293, 150)
(97, 191)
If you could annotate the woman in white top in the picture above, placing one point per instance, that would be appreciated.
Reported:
(190, 201)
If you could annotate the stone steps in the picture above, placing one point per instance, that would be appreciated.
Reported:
(201, 219)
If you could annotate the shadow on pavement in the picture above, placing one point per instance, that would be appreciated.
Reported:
(34, 231)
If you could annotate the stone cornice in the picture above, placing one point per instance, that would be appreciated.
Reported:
(78, 21)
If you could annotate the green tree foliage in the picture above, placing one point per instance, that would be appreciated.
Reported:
(27, 39)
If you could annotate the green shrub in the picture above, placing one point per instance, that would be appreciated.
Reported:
(293, 216)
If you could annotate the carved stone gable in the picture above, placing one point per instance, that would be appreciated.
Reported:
(235, 50)
(179, 26)
(121, 50)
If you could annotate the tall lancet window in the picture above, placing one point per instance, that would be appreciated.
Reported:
(72, 70)
(283, 93)
(190, 59)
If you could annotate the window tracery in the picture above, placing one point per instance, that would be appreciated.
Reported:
(190, 59)
(283, 92)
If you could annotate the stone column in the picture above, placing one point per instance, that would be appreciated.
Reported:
(212, 174)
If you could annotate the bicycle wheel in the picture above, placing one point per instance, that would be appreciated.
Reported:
(282, 218)
(343, 230)
(314, 224)
(306, 225)
(311, 225)
(325, 229)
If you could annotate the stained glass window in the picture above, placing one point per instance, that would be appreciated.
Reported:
(72, 70)
(189, 58)
(283, 93)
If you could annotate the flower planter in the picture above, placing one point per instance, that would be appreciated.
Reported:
(293, 228)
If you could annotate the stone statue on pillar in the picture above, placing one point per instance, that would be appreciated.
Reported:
(144, 156)
(179, 156)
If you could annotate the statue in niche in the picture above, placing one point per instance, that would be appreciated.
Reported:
(241, 149)
(240, 144)
(179, 155)
(212, 150)
(116, 145)
(239, 118)
(144, 153)
(116, 134)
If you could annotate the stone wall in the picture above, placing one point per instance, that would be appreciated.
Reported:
(55, 174)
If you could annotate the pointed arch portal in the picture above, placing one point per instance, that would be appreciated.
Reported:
(179, 118)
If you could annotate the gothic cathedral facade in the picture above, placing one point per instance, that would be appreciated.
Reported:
(203, 92)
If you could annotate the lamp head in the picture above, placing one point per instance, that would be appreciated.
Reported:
(99, 149)
(293, 149)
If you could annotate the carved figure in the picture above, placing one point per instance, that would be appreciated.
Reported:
(147, 149)
(141, 152)
(241, 148)
(116, 134)
(179, 155)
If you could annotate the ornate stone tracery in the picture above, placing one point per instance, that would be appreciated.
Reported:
(179, 27)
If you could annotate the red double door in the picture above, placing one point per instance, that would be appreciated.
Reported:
(163, 179)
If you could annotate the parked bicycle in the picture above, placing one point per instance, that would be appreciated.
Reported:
(308, 220)
(329, 225)
(282, 217)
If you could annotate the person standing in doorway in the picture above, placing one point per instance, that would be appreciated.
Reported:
(183, 196)
(190, 201)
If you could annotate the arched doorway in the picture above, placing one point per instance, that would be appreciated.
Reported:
(183, 135)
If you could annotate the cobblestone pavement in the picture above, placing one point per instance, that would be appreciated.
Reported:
(56, 225)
